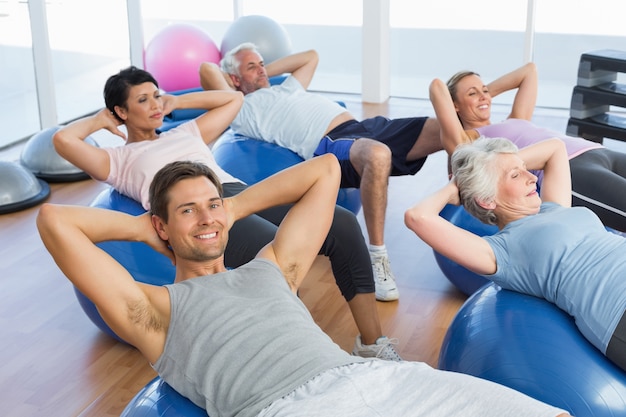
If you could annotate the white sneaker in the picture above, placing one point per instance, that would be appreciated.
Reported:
(386, 289)
(382, 349)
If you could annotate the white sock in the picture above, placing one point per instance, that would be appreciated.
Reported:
(376, 250)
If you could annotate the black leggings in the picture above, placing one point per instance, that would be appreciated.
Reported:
(599, 183)
(345, 245)
(616, 349)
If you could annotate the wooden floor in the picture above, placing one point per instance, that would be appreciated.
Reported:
(55, 362)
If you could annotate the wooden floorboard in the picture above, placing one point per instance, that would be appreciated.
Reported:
(55, 362)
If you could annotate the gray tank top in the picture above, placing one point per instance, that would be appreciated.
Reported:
(241, 339)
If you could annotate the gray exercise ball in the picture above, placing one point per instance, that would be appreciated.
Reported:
(40, 157)
(19, 188)
(270, 37)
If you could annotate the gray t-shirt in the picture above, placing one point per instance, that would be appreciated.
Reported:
(241, 339)
(287, 115)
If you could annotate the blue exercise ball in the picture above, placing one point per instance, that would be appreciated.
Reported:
(158, 399)
(464, 279)
(142, 262)
(253, 160)
(270, 37)
(530, 345)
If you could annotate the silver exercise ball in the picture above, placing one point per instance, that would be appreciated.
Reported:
(19, 188)
(269, 36)
(40, 157)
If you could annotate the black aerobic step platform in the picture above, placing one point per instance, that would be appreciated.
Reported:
(591, 101)
(598, 127)
(599, 67)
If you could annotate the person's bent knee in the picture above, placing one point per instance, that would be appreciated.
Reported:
(381, 152)
(345, 226)
(375, 149)
(368, 152)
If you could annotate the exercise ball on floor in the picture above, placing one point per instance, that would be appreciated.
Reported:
(252, 160)
(158, 399)
(462, 278)
(19, 188)
(40, 157)
(175, 53)
(531, 345)
(270, 37)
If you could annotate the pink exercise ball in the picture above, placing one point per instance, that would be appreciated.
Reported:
(173, 56)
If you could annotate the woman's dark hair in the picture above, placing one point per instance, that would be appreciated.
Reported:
(170, 175)
(117, 87)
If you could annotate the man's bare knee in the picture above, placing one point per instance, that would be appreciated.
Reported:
(370, 153)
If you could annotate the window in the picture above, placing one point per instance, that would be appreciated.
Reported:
(89, 42)
(19, 115)
(446, 36)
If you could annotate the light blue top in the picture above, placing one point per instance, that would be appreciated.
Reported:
(566, 256)
(287, 115)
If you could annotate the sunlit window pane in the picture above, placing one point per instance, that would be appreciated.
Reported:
(479, 15)
(212, 16)
(435, 39)
(187, 9)
(598, 17)
(89, 42)
(319, 12)
(564, 30)
(333, 28)
(19, 116)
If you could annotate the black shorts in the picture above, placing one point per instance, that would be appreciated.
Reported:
(399, 135)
